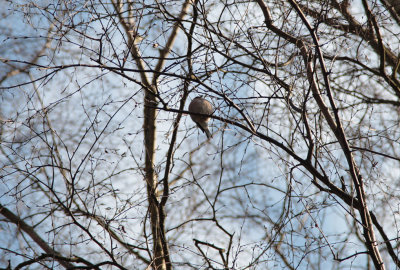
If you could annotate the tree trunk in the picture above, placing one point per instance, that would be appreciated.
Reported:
(151, 179)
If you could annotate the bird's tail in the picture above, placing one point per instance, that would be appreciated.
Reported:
(205, 129)
(208, 133)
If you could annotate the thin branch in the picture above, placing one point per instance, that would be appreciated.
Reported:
(34, 236)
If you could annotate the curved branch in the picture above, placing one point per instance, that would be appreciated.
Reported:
(34, 236)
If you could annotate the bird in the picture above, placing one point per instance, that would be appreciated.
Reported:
(202, 106)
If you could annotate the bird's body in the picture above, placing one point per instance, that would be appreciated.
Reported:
(200, 105)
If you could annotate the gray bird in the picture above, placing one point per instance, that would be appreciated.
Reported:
(203, 106)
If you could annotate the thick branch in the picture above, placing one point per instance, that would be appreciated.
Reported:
(34, 236)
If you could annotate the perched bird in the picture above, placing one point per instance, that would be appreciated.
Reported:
(203, 106)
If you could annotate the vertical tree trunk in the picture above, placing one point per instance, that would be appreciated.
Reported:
(160, 247)
(151, 179)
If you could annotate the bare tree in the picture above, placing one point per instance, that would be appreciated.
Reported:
(102, 169)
